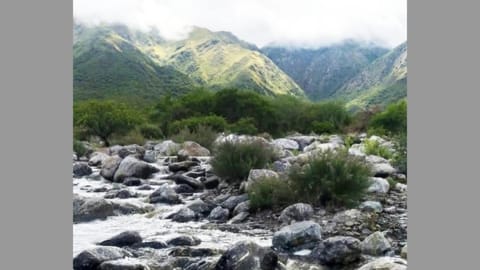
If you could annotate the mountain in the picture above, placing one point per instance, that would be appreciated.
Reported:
(106, 64)
(320, 72)
(220, 60)
(382, 82)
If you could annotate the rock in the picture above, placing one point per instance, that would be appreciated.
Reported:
(81, 169)
(321, 147)
(241, 207)
(145, 187)
(404, 252)
(87, 209)
(192, 252)
(385, 263)
(97, 159)
(131, 150)
(200, 207)
(126, 238)
(286, 144)
(336, 139)
(245, 255)
(183, 179)
(233, 201)
(183, 188)
(297, 235)
(92, 258)
(132, 167)
(281, 166)
(184, 240)
(338, 250)
(184, 215)
(164, 194)
(123, 264)
(121, 194)
(303, 141)
(383, 169)
(400, 187)
(240, 217)
(100, 189)
(113, 150)
(167, 148)
(132, 181)
(110, 166)
(211, 182)
(296, 212)
(150, 156)
(128, 208)
(378, 185)
(375, 244)
(357, 150)
(371, 206)
(257, 175)
(182, 165)
(219, 214)
(193, 149)
(150, 244)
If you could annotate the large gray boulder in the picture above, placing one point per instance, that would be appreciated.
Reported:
(134, 150)
(246, 255)
(184, 240)
(378, 185)
(132, 167)
(200, 207)
(233, 201)
(184, 215)
(219, 214)
(339, 250)
(167, 148)
(286, 144)
(297, 236)
(385, 263)
(91, 258)
(81, 169)
(126, 238)
(164, 194)
(296, 212)
(371, 206)
(110, 166)
(376, 244)
(192, 149)
(87, 209)
(97, 159)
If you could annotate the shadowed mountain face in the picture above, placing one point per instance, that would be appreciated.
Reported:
(321, 72)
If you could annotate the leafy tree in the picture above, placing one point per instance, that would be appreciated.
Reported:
(393, 120)
(105, 118)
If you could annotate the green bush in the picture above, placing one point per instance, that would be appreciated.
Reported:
(79, 149)
(391, 121)
(373, 147)
(215, 122)
(204, 135)
(400, 157)
(331, 178)
(233, 161)
(322, 127)
(150, 131)
(270, 193)
(244, 126)
(132, 137)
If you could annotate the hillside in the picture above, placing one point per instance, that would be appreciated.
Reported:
(107, 65)
(320, 72)
(382, 82)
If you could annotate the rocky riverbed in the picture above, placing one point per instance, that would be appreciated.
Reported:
(159, 206)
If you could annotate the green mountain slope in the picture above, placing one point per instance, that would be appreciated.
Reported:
(219, 60)
(106, 64)
(320, 72)
(382, 82)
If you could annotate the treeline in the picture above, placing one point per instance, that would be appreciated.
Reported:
(232, 110)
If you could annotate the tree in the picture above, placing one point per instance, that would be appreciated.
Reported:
(105, 118)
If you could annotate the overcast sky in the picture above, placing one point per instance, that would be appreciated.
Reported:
(302, 23)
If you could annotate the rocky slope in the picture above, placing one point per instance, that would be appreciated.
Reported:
(140, 207)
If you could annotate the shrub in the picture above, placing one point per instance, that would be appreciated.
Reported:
(244, 126)
(373, 147)
(204, 135)
(400, 157)
(79, 149)
(323, 127)
(393, 120)
(233, 161)
(270, 193)
(215, 122)
(150, 131)
(132, 137)
(334, 178)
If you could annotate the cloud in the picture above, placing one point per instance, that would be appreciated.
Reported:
(305, 23)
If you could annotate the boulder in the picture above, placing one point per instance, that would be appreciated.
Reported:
(150, 156)
(92, 258)
(81, 169)
(184, 215)
(132, 167)
(246, 255)
(233, 201)
(211, 182)
(241, 207)
(219, 214)
(110, 166)
(167, 148)
(121, 194)
(87, 209)
(383, 169)
(183, 188)
(338, 250)
(385, 263)
(97, 159)
(182, 165)
(131, 150)
(281, 166)
(192, 149)
(240, 217)
(357, 150)
(257, 175)
(375, 244)
(123, 264)
(184, 240)
(296, 212)
(200, 207)
(126, 238)
(404, 252)
(303, 141)
(150, 244)
(297, 236)
(132, 181)
(371, 206)
(164, 194)
(286, 144)
(321, 147)
(378, 185)
(183, 179)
